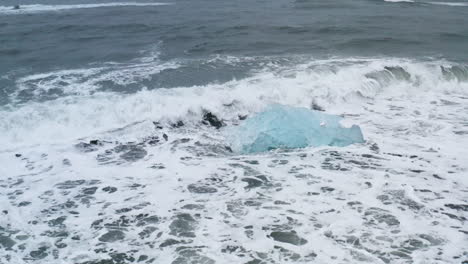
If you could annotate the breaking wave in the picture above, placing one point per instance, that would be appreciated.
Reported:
(334, 84)
(453, 4)
(449, 3)
(50, 8)
(399, 1)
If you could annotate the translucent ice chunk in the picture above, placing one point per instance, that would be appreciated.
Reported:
(281, 126)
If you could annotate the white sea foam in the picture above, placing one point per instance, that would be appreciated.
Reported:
(449, 3)
(454, 4)
(38, 8)
(399, 1)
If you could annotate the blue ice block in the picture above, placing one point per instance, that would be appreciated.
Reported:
(288, 127)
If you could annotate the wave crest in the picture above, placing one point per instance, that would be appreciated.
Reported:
(336, 85)
(38, 8)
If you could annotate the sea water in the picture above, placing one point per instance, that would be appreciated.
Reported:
(106, 154)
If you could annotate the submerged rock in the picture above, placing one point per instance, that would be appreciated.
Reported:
(289, 127)
(212, 120)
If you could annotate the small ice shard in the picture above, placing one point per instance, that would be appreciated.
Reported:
(281, 126)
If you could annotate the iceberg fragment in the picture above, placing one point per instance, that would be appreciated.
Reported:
(281, 126)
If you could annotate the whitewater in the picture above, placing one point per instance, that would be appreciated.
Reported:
(39, 8)
(145, 173)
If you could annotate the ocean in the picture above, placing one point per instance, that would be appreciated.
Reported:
(113, 142)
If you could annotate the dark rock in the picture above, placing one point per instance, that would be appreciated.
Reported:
(288, 237)
(165, 137)
(212, 120)
(317, 107)
(242, 117)
(16, 7)
(17, 155)
(228, 148)
(94, 142)
(112, 236)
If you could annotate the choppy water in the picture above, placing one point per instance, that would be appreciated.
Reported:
(105, 156)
